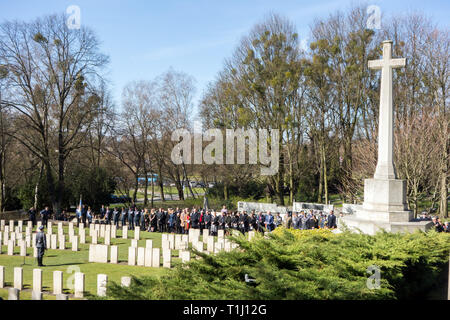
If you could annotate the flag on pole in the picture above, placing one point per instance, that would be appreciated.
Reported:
(79, 208)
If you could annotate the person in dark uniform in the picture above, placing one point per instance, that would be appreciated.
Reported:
(41, 245)
(178, 222)
(32, 216)
(221, 225)
(83, 214)
(116, 217)
(108, 215)
(160, 220)
(137, 217)
(331, 223)
(235, 221)
(131, 218)
(261, 221)
(102, 212)
(252, 222)
(45, 214)
(227, 223)
(207, 220)
(123, 217)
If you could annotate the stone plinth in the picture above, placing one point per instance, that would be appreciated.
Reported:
(384, 208)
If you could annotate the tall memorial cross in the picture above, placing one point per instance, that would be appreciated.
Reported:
(385, 166)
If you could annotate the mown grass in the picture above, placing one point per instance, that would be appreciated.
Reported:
(70, 262)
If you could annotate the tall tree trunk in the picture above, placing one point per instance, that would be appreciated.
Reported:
(146, 188)
(36, 188)
(161, 184)
(153, 188)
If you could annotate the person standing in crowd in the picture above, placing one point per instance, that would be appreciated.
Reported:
(130, 218)
(269, 221)
(102, 212)
(153, 221)
(252, 225)
(446, 227)
(144, 218)
(278, 221)
(331, 221)
(178, 222)
(260, 221)
(32, 216)
(116, 215)
(228, 223)
(89, 215)
(183, 217)
(160, 220)
(214, 223)
(137, 217)
(437, 224)
(170, 220)
(107, 216)
(44, 216)
(123, 216)
(207, 219)
(41, 245)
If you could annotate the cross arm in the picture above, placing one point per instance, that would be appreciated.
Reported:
(398, 63)
(375, 64)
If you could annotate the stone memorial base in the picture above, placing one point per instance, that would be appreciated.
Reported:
(384, 208)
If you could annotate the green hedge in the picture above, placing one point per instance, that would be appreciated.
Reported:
(310, 264)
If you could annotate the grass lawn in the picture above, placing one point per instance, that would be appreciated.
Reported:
(69, 261)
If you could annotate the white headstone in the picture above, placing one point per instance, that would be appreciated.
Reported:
(79, 285)
(125, 281)
(13, 294)
(62, 296)
(131, 256)
(101, 253)
(137, 233)
(102, 282)
(2, 276)
(10, 247)
(134, 243)
(82, 234)
(36, 295)
(125, 232)
(37, 280)
(113, 232)
(57, 282)
(156, 258)
(102, 230)
(75, 243)
(140, 256)
(23, 249)
(94, 239)
(114, 254)
(18, 278)
(148, 256)
(185, 256)
(54, 241)
(62, 244)
(149, 244)
(167, 258)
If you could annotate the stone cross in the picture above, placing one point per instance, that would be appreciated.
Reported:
(385, 165)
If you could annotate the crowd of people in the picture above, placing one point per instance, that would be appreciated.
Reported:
(180, 220)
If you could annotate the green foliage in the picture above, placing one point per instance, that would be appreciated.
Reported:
(311, 264)
(95, 185)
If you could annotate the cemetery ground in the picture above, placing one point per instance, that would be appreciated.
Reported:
(67, 260)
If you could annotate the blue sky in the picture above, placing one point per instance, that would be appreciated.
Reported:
(145, 38)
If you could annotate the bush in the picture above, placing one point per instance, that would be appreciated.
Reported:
(310, 264)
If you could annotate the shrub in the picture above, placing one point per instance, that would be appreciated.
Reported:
(310, 264)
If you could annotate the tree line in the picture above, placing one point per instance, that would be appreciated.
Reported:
(62, 135)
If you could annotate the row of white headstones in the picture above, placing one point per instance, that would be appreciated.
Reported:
(151, 257)
(36, 293)
(140, 256)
